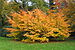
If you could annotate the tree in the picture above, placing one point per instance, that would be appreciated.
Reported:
(41, 4)
(35, 26)
(5, 9)
(70, 12)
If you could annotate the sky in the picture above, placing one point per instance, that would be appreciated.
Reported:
(47, 1)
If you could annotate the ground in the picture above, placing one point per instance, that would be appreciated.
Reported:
(8, 44)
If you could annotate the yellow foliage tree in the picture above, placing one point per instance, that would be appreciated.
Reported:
(32, 26)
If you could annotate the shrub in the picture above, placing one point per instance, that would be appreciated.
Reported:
(32, 26)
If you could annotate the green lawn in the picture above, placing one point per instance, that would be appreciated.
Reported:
(7, 44)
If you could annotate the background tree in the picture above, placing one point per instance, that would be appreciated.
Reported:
(32, 4)
(70, 12)
(5, 9)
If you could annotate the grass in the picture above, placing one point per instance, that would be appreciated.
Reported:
(7, 44)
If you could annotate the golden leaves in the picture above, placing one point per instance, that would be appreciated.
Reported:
(39, 25)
